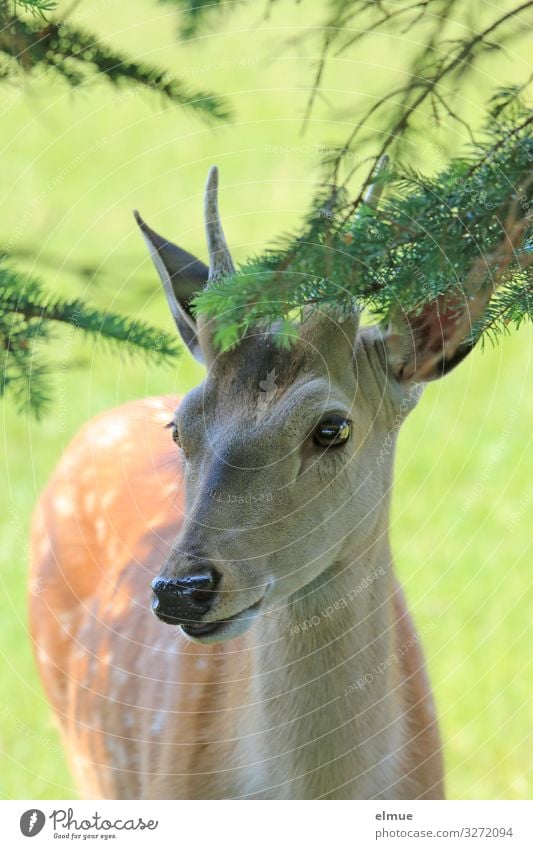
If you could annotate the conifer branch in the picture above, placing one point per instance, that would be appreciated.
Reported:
(465, 233)
(28, 316)
(34, 45)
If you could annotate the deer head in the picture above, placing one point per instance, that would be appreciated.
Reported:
(287, 454)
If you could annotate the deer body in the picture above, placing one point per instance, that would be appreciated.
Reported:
(281, 661)
(278, 713)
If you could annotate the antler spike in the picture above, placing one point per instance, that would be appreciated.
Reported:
(220, 261)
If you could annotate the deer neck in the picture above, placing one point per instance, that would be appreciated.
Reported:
(324, 717)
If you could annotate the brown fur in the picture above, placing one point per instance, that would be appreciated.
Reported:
(319, 689)
(145, 713)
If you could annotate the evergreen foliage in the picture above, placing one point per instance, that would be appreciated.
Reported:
(463, 231)
(28, 316)
(459, 232)
(32, 44)
(196, 13)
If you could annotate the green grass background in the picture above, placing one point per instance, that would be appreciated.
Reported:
(72, 166)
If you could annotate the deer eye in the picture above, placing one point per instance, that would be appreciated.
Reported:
(332, 432)
(174, 433)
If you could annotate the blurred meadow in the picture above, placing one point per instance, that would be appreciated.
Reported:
(72, 167)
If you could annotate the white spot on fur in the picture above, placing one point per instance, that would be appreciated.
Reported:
(63, 505)
(42, 656)
(44, 547)
(159, 405)
(81, 763)
(113, 431)
(108, 498)
(101, 529)
(157, 521)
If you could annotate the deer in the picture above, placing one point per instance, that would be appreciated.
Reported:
(218, 614)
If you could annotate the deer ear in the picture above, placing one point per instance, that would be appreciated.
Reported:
(428, 345)
(182, 275)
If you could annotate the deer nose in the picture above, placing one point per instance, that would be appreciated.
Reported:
(185, 599)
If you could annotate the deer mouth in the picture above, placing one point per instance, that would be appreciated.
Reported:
(222, 629)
